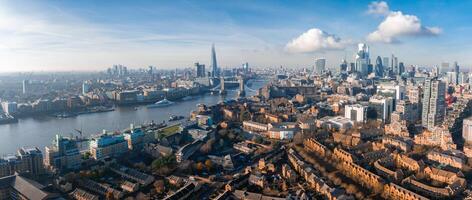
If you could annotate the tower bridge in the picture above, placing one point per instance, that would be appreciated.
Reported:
(230, 83)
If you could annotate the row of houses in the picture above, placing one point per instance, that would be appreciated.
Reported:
(316, 183)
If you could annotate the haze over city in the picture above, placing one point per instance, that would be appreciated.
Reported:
(93, 35)
(235, 100)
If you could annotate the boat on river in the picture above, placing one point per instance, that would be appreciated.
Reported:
(161, 103)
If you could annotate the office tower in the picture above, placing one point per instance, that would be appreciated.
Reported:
(214, 65)
(320, 65)
(200, 69)
(383, 107)
(467, 130)
(391, 89)
(352, 67)
(125, 71)
(356, 112)
(457, 71)
(394, 64)
(444, 67)
(379, 67)
(385, 63)
(456, 67)
(452, 77)
(86, 85)
(25, 86)
(370, 69)
(362, 59)
(434, 105)
(343, 66)
(246, 67)
(436, 71)
(401, 68)
(462, 78)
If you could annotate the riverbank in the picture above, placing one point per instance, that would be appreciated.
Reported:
(40, 130)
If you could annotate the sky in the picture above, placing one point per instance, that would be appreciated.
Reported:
(69, 35)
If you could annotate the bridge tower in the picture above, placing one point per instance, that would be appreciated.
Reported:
(242, 91)
(222, 84)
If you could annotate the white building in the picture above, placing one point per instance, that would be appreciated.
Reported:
(467, 130)
(392, 87)
(9, 107)
(86, 85)
(356, 112)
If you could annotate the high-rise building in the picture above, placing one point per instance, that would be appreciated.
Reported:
(246, 67)
(444, 67)
(462, 78)
(434, 104)
(200, 69)
(356, 112)
(456, 67)
(394, 65)
(362, 59)
(25, 86)
(352, 67)
(379, 67)
(343, 66)
(86, 85)
(467, 130)
(383, 107)
(408, 111)
(401, 68)
(320, 65)
(214, 65)
(452, 77)
(385, 63)
(457, 71)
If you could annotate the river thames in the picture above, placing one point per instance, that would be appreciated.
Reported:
(39, 132)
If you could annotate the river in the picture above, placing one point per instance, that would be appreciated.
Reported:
(40, 131)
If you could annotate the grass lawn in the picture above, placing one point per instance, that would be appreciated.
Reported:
(170, 130)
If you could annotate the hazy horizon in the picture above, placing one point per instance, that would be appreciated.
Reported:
(94, 35)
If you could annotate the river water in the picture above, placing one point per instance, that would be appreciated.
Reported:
(39, 132)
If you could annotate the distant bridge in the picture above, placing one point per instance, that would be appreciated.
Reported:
(222, 85)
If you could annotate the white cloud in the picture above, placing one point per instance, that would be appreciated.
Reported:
(315, 40)
(397, 24)
(378, 8)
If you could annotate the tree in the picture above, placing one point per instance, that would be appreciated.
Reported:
(199, 166)
(208, 146)
(159, 186)
(208, 164)
(257, 139)
(109, 196)
(298, 138)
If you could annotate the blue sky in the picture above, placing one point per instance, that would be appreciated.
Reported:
(92, 35)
